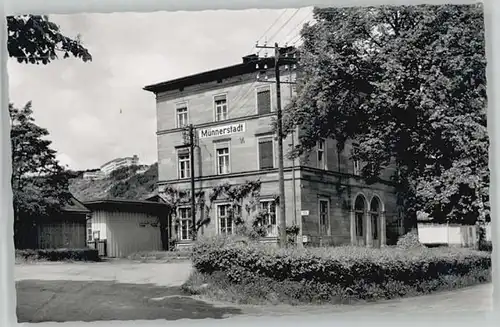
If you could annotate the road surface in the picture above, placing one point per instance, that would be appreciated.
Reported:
(150, 291)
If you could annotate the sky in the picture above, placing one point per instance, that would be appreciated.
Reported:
(98, 111)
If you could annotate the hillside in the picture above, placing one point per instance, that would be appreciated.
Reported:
(123, 183)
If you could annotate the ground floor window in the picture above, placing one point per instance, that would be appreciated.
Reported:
(359, 211)
(375, 216)
(89, 230)
(324, 217)
(225, 219)
(185, 223)
(270, 219)
(375, 226)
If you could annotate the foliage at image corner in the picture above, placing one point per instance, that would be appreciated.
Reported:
(35, 39)
(39, 182)
(408, 86)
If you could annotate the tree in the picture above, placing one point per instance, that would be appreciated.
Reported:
(39, 183)
(35, 39)
(408, 84)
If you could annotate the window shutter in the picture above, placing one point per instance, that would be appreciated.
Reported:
(264, 101)
(266, 159)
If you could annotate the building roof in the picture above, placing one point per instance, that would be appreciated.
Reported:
(247, 66)
(75, 206)
(124, 205)
(155, 198)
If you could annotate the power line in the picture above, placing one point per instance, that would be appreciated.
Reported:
(250, 88)
(272, 25)
(286, 22)
(302, 22)
(293, 40)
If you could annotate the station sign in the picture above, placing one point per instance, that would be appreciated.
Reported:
(221, 130)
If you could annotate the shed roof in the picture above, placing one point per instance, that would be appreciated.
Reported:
(125, 205)
(75, 206)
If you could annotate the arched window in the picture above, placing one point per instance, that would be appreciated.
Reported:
(359, 212)
(375, 216)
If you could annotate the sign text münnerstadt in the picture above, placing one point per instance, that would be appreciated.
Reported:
(222, 130)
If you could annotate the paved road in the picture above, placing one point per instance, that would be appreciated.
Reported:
(475, 299)
(161, 274)
(149, 291)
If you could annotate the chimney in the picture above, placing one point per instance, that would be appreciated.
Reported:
(249, 58)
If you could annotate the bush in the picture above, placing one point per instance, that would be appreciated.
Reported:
(409, 241)
(58, 255)
(332, 274)
(486, 246)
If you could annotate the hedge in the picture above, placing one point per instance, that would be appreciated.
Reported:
(84, 254)
(160, 255)
(341, 266)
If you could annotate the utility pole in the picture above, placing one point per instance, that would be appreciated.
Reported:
(293, 164)
(278, 60)
(191, 167)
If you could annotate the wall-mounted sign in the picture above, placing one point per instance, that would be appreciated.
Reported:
(305, 239)
(222, 130)
(304, 212)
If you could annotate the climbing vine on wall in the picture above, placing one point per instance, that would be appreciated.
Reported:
(243, 200)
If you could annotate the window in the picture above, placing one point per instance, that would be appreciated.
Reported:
(182, 115)
(324, 217)
(356, 168)
(185, 223)
(359, 223)
(184, 165)
(222, 160)
(266, 154)
(375, 210)
(263, 101)
(221, 112)
(89, 230)
(269, 220)
(225, 219)
(356, 163)
(359, 211)
(320, 148)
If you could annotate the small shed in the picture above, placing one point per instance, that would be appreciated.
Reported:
(65, 230)
(122, 227)
(447, 234)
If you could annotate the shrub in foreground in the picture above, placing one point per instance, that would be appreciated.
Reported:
(83, 254)
(409, 241)
(336, 274)
(262, 290)
(486, 246)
